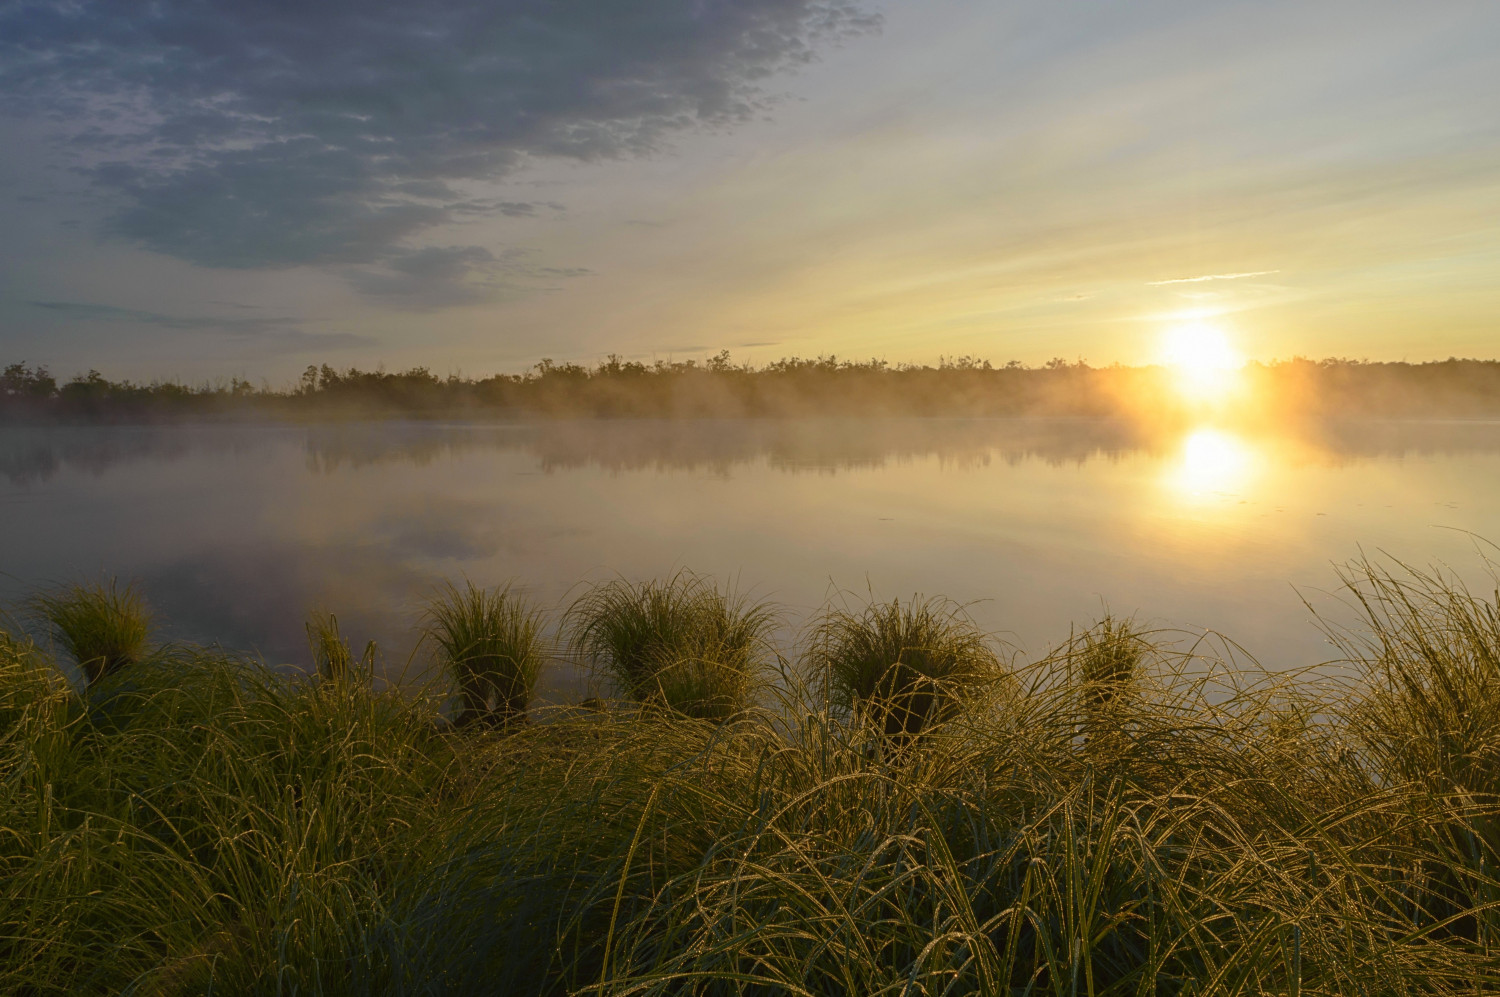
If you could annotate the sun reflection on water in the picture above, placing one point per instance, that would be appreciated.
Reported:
(1213, 464)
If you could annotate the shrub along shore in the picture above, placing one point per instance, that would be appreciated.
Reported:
(892, 806)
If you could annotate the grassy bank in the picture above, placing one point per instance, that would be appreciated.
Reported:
(887, 808)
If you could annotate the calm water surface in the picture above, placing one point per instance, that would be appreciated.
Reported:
(236, 532)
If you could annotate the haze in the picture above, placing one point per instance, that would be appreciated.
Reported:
(213, 189)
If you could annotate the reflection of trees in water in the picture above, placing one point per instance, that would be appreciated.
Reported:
(34, 455)
(337, 446)
(831, 445)
(1351, 439)
(27, 461)
(824, 445)
(717, 446)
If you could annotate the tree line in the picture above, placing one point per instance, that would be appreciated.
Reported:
(718, 387)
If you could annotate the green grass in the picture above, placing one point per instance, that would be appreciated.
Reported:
(1430, 720)
(1106, 665)
(1107, 659)
(903, 666)
(681, 643)
(490, 641)
(197, 823)
(333, 659)
(103, 626)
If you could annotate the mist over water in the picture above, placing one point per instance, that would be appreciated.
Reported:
(236, 532)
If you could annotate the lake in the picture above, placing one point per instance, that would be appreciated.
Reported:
(236, 532)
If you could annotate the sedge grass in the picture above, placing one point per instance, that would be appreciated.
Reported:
(490, 640)
(333, 658)
(203, 824)
(1106, 660)
(102, 626)
(1429, 657)
(905, 666)
(681, 643)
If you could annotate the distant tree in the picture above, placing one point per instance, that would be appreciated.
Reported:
(549, 369)
(92, 383)
(616, 366)
(30, 383)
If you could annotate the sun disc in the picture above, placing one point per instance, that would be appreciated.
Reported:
(1201, 355)
(1199, 347)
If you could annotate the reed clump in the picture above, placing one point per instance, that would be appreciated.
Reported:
(1106, 661)
(682, 643)
(1429, 658)
(1105, 664)
(1429, 654)
(333, 658)
(103, 626)
(491, 642)
(903, 666)
(201, 823)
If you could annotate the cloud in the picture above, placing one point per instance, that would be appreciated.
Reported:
(511, 209)
(282, 204)
(445, 276)
(1211, 276)
(255, 135)
(281, 335)
(434, 277)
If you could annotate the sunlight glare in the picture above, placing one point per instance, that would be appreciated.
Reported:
(1206, 365)
(1212, 463)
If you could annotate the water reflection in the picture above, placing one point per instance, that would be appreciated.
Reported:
(30, 456)
(237, 531)
(34, 455)
(1213, 464)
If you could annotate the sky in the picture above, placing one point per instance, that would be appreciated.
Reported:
(196, 189)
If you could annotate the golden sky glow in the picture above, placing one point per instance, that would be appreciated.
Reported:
(1011, 181)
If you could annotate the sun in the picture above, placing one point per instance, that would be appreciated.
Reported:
(1206, 365)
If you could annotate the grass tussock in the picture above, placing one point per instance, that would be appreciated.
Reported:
(102, 626)
(333, 658)
(681, 643)
(199, 823)
(490, 641)
(1106, 660)
(903, 666)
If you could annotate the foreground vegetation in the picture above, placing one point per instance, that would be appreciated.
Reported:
(888, 808)
(961, 386)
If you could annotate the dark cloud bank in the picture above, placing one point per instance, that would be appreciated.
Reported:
(251, 134)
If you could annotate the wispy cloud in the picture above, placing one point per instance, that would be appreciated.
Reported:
(1211, 276)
